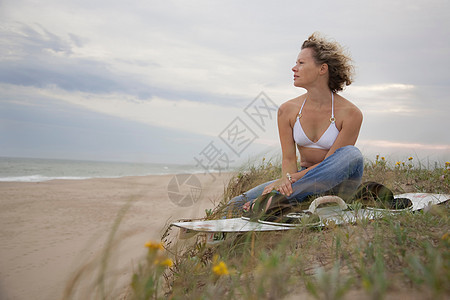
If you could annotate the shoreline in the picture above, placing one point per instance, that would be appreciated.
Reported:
(40, 170)
(49, 229)
(43, 178)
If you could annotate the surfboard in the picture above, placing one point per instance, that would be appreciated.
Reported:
(338, 214)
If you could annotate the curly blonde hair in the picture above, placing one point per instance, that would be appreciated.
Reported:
(340, 66)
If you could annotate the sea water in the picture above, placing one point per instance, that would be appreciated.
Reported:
(38, 169)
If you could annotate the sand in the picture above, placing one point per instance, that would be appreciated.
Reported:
(50, 230)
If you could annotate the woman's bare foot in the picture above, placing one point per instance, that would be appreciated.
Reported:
(247, 205)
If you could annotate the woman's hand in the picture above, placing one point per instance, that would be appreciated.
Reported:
(270, 187)
(283, 185)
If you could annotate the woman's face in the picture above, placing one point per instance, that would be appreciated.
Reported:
(306, 71)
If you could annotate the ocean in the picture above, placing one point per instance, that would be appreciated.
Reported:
(38, 169)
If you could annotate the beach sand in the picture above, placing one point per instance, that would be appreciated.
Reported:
(50, 230)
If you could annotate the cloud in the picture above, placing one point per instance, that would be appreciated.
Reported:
(179, 66)
(397, 99)
(189, 116)
(40, 58)
(176, 71)
(53, 129)
(215, 51)
(424, 155)
(400, 145)
(389, 98)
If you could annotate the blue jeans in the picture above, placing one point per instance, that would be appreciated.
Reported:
(340, 174)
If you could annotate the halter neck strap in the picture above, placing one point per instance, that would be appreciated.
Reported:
(332, 119)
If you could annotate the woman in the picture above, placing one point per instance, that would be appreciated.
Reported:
(322, 125)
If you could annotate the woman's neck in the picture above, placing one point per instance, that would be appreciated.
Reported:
(319, 96)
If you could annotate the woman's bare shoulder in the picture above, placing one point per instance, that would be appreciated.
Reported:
(291, 107)
(347, 107)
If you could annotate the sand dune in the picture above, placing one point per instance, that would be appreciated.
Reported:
(49, 230)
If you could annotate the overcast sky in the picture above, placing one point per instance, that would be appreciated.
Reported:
(169, 81)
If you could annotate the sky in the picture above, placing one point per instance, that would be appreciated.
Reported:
(198, 82)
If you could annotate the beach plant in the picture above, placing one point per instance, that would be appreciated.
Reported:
(329, 284)
(404, 254)
(148, 278)
(407, 252)
(371, 258)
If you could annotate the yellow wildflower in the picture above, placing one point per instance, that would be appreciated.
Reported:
(382, 158)
(447, 163)
(410, 158)
(154, 245)
(366, 284)
(220, 269)
(378, 156)
(398, 163)
(165, 263)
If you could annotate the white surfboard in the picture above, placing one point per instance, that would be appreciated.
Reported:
(423, 200)
(338, 214)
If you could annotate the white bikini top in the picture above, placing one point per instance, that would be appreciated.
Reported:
(326, 140)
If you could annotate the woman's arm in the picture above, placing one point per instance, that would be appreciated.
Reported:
(348, 135)
(289, 158)
(288, 149)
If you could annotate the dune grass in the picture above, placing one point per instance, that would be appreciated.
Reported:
(404, 255)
